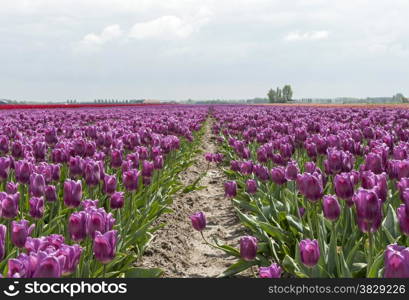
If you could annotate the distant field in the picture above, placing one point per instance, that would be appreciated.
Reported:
(48, 106)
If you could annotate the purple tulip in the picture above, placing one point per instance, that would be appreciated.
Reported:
(301, 211)
(291, 171)
(72, 255)
(147, 168)
(158, 162)
(130, 180)
(403, 217)
(92, 173)
(75, 166)
(48, 266)
(235, 165)
(104, 246)
(246, 167)
(77, 226)
(116, 159)
(251, 186)
(23, 171)
(248, 247)
(278, 175)
(4, 168)
(230, 189)
(9, 205)
(109, 184)
(368, 209)
(373, 162)
(37, 185)
(72, 193)
(20, 230)
(117, 200)
(198, 221)
(311, 186)
(36, 207)
(396, 262)
(208, 157)
(39, 150)
(344, 187)
(3, 231)
(273, 271)
(11, 187)
(309, 252)
(17, 150)
(50, 193)
(331, 207)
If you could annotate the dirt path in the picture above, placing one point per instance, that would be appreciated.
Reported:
(177, 248)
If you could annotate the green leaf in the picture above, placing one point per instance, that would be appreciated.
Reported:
(332, 253)
(343, 267)
(290, 265)
(238, 267)
(143, 273)
(275, 232)
(391, 222)
(376, 265)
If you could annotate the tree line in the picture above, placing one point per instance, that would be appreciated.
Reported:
(280, 95)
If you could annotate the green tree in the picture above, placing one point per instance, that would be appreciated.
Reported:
(272, 96)
(287, 93)
(279, 93)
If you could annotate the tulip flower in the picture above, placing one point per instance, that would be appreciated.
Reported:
(72, 193)
(116, 159)
(23, 170)
(20, 230)
(331, 207)
(4, 168)
(403, 217)
(130, 179)
(230, 189)
(117, 200)
(48, 266)
(36, 207)
(369, 210)
(92, 173)
(278, 175)
(109, 184)
(311, 186)
(273, 271)
(251, 186)
(11, 187)
(104, 246)
(9, 205)
(50, 193)
(396, 262)
(198, 221)
(158, 162)
(77, 226)
(72, 255)
(147, 168)
(291, 171)
(344, 187)
(309, 252)
(248, 248)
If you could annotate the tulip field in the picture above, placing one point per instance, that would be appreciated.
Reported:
(318, 191)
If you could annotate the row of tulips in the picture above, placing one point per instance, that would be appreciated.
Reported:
(324, 192)
(80, 190)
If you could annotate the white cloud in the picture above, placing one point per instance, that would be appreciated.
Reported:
(307, 36)
(109, 33)
(166, 27)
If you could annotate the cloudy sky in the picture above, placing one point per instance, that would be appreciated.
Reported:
(179, 49)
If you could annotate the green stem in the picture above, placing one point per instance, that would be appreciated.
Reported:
(370, 257)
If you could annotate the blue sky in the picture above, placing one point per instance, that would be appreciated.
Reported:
(55, 50)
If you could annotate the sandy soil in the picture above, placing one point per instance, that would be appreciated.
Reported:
(177, 248)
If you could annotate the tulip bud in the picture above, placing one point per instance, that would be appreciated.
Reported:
(309, 252)
(278, 175)
(396, 262)
(198, 221)
(77, 226)
(291, 171)
(105, 246)
(147, 168)
(230, 189)
(248, 248)
(72, 193)
(344, 187)
(36, 207)
(11, 187)
(311, 186)
(23, 170)
(403, 217)
(4, 167)
(20, 230)
(117, 200)
(116, 159)
(109, 184)
(368, 210)
(9, 205)
(92, 173)
(331, 207)
(158, 162)
(273, 271)
(50, 193)
(251, 186)
(130, 179)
